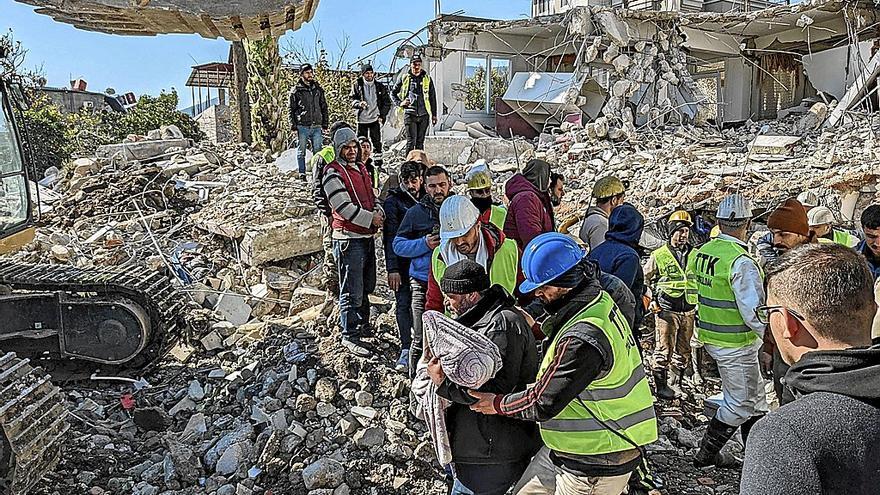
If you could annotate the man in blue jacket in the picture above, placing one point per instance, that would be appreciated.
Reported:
(400, 199)
(619, 254)
(418, 235)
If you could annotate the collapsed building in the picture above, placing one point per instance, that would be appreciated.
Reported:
(650, 67)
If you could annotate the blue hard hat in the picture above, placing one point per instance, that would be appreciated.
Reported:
(547, 257)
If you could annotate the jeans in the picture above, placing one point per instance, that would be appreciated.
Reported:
(374, 133)
(416, 130)
(403, 312)
(356, 259)
(486, 479)
(542, 477)
(329, 271)
(306, 135)
(742, 387)
(419, 297)
(673, 334)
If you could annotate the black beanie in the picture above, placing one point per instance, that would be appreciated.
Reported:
(464, 277)
(366, 68)
(305, 68)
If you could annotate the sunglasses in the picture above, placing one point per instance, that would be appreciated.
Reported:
(763, 313)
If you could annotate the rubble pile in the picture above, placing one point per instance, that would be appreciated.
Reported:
(691, 166)
(220, 218)
(276, 409)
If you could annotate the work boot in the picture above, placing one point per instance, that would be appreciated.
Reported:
(663, 390)
(716, 436)
(675, 383)
(746, 427)
(355, 347)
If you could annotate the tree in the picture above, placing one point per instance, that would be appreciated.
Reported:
(268, 87)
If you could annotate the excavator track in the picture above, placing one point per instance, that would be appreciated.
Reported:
(33, 419)
(147, 295)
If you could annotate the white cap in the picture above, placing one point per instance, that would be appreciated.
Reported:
(809, 199)
(820, 215)
(457, 216)
(734, 207)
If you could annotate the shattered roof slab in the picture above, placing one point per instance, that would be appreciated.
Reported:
(232, 20)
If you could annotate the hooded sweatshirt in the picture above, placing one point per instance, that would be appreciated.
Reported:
(348, 187)
(594, 227)
(530, 212)
(828, 440)
(619, 256)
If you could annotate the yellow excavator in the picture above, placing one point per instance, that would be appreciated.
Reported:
(59, 314)
(100, 316)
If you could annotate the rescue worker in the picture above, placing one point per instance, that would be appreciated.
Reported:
(674, 302)
(609, 193)
(821, 221)
(479, 186)
(464, 236)
(730, 285)
(788, 229)
(415, 96)
(592, 400)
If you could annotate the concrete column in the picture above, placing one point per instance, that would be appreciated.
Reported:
(242, 103)
(738, 81)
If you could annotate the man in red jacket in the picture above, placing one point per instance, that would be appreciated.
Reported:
(356, 218)
(530, 212)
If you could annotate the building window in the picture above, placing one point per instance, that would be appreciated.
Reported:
(486, 78)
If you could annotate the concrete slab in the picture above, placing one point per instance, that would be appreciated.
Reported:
(281, 240)
(141, 150)
(449, 150)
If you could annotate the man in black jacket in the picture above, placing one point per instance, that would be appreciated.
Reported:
(415, 95)
(399, 200)
(307, 113)
(820, 305)
(371, 101)
(489, 453)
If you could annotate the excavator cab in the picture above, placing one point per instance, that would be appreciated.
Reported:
(16, 212)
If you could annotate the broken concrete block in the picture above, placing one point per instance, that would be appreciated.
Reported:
(234, 308)
(281, 240)
(212, 341)
(491, 149)
(85, 166)
(621, 63)
(449, 150)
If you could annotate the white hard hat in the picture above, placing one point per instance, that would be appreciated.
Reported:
(734, 207)
(457, 216)
(820, 215)
(809, 199)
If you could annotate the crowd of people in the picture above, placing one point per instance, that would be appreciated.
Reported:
(798, 304)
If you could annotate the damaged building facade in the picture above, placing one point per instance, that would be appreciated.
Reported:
(638, 67)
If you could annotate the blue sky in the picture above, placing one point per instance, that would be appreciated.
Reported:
(150, 64)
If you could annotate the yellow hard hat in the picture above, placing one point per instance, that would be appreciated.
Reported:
(608, 187)
(715, 232)
(681, 216)
(479, 177)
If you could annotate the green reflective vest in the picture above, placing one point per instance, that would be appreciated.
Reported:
(497, 217)
(845, 238)
(502, 268)
(674, 281)
(426, 90)
(620, 400)
(327, 153)
(719, 321)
